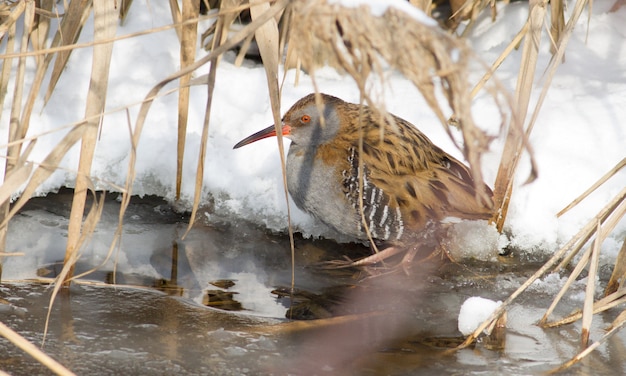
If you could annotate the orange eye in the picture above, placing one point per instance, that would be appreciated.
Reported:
(305, 118)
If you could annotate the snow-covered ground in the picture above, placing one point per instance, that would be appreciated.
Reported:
(580, 133)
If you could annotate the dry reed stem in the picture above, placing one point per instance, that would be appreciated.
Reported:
(6, 64)
(4, 81)
(618, 276)
(229, 11)
(188, 36)
(621, 164)
(124, 7)
(65, 276)
(74, 46)
(14, 178)
(619, 320)
(616, 205)
(203, 142)
(11, 254)
(605, 223)
(75, 16)
(176, 18)
(43, 14)
(557, 58)
(42, 61)
(105, 22)
(505, 53)
(590, 289)
(16, 128)
(580, 266)
(300, 326)
(13, 16)
(611, 301)
(245, 46)
(557, 22)
(277, 7)
(619, 270)
(423, 5)
(612, 210)
(514, 144)
(268, 41)
(617, 326)
(224, 21)
(587, 231)
(583, 236)
(33, 351)
(44, 170)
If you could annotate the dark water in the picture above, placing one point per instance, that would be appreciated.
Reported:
(400, 324)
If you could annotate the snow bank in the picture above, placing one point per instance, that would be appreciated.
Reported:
(580, 133)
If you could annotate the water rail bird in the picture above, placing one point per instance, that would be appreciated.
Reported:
(358, 171)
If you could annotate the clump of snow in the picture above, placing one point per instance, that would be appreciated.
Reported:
(474, 311)
(476, 240)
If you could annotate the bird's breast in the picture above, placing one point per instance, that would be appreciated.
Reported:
(315, 187)
(331, 188)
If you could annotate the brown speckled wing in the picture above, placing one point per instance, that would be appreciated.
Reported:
(418, 178)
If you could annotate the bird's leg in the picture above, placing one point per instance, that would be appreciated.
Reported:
(428, 238)
(366, 261)
(378, 256)
(407, 259)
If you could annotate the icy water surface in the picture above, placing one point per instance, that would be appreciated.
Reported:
(216, 303)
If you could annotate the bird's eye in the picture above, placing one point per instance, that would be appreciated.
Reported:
(305, 118)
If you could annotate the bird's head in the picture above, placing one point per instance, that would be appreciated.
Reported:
(305, 124)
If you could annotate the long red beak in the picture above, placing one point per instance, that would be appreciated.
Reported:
(265, 133)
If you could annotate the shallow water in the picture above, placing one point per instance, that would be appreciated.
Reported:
(398, 324)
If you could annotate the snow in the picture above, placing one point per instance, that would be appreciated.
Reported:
(579, 135)
(474, 311)
(476, 240)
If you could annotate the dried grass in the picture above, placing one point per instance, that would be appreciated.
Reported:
(19, 170)
(559, 36)
(188, 35)
(600, 226)
(267, 38)
(105, 22)
(72, 23)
